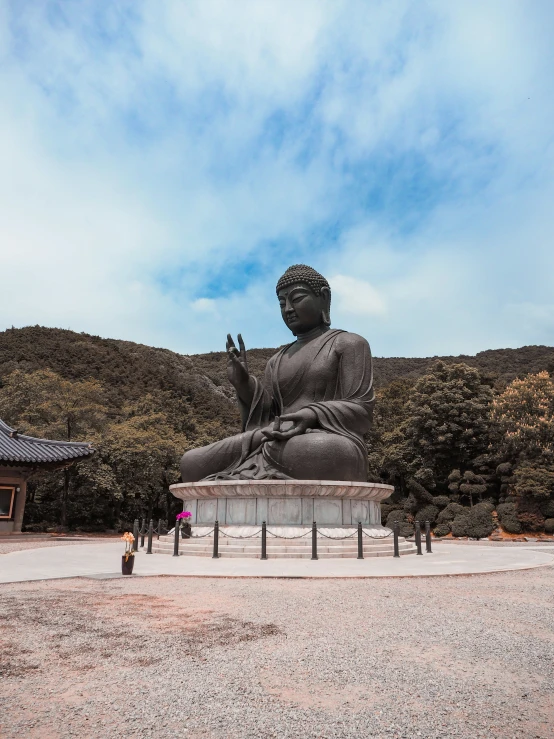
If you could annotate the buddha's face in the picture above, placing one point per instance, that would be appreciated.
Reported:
(302, 310)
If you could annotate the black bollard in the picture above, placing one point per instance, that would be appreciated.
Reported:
(176, 540)
(428, 537)
(360, 541)
(264, 540)
(142, 532)
(150, 534)
(159, 528)
(418, 537)
(396, 531)
(215, 555)
(136, 534)
(314, 541)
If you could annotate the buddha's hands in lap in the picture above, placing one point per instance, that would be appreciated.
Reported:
(302, 421)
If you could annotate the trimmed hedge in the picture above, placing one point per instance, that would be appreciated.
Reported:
(476, 522)
(549, 526)
(428, 513)
(406, 526)
(507, 515)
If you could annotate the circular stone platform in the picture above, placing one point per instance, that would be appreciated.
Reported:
(282, 502)
(288, 507)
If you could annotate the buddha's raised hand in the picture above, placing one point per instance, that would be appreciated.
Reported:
(237, 366)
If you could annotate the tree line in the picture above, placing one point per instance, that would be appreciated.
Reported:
(468, 448)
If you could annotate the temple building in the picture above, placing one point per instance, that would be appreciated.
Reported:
(20, 457)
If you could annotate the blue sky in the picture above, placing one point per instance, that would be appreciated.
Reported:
(164, 162)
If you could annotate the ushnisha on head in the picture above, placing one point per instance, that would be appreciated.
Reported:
(305, 299)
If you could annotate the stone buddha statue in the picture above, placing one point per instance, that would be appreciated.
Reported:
(307, 419)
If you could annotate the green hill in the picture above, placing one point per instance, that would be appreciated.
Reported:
(128, 370)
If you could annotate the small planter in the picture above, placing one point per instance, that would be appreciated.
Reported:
(186, 530)
(127, 565)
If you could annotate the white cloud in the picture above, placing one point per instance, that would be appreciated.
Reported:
(403, 148)
(355, 296)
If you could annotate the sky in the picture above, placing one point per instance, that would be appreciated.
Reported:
(164, 161)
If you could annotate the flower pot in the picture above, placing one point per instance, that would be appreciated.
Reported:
(186, 530)
(127, 565)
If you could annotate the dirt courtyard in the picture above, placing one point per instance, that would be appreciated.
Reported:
(237, 658)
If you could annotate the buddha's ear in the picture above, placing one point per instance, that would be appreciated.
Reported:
(325, 295)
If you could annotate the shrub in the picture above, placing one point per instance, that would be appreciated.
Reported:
(480, 523)
(386, 508)
(507, 515)
(547, 508)
(449, 513)
(549, 526)
(529, 514)
(485, 506)
(443, 529)
(428, 513)
(460, 524)
(411, 504)
(406, 526)
(441, 501)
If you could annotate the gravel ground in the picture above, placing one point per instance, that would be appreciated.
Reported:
(240, 659)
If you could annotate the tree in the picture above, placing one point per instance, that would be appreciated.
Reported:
(447, 421)
(524, 415)
(46, 405)
(524, 419)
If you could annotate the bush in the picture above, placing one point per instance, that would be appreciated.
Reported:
(547, 508)
(480, 523)
(441, 501)
(476, 522)
(507, 515)
(428, 513)
(485, 506)
(450, 513)
(460, 524)
(443, 529)
(386, 508)
(411, 504)
(529, 514)
(406, 526)
(549, 526)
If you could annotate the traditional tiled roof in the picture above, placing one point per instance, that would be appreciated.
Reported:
(17, 449)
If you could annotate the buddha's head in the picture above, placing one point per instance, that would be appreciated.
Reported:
(305, 299)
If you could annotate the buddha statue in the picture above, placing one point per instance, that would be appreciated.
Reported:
(307, 419)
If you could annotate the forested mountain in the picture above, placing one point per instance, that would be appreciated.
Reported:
(450, 432)
(128, 370)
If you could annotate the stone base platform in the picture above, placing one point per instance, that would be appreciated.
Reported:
(288, 507)
(286, 542)
(282, 502)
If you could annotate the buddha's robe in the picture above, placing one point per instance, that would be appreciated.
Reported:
(331, 375)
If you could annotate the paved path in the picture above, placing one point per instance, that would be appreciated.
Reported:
(103, 559)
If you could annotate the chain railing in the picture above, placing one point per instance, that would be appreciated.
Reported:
(314, 531)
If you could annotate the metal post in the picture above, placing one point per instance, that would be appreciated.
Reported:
(396, 530)
(360, 542)
(150, 534)
(142, 532)
(215, 555)
(135, 534)
(418, 537)
(314, 540)
(264, 540)
(159, 528)
(176, 540)
(428, 537)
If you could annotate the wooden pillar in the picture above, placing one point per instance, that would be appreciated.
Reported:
(20, 499)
